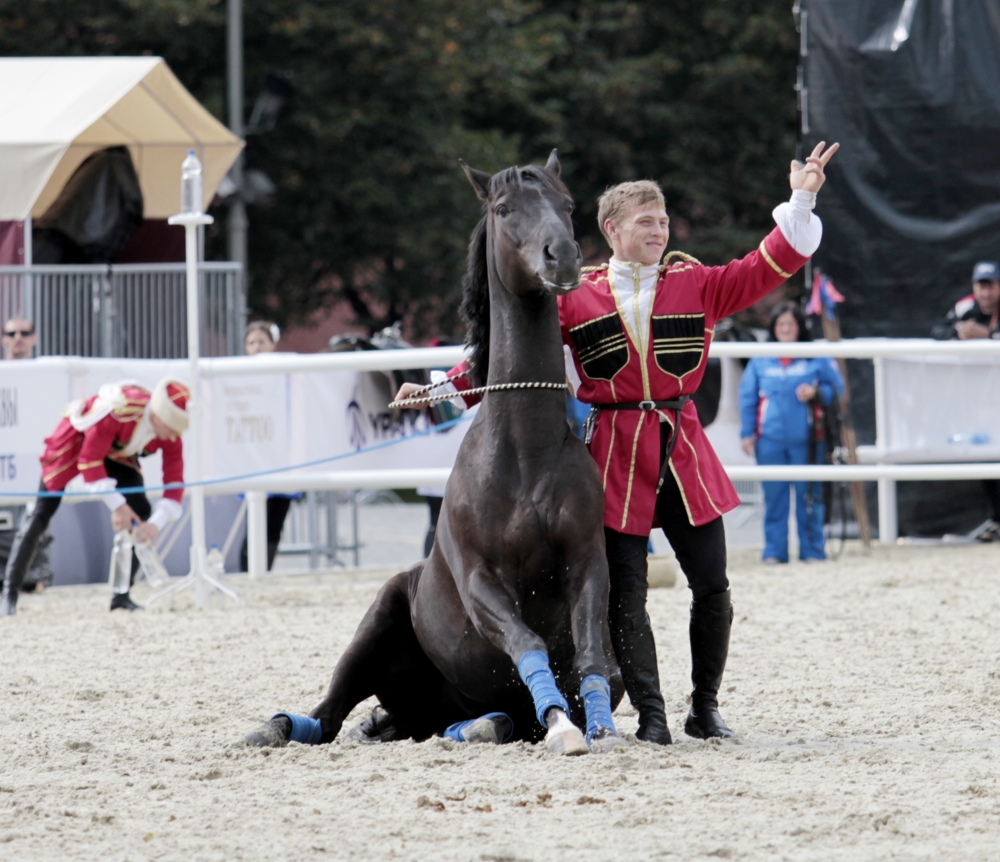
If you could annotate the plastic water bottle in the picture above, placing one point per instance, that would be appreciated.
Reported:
(215, 564)
(191, 195)
(980, 438)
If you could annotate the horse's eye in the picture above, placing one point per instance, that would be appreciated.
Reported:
(501, 210)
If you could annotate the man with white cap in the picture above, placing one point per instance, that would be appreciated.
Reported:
(96, 448)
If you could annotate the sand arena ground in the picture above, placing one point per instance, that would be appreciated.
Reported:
(866, 692)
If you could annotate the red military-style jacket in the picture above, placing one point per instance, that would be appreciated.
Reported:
(668, 362)
(122, 433)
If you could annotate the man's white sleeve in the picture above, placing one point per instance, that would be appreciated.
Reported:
(798, 224)
(446, 389)
(165, 511)
(572, 375)
(112, 501)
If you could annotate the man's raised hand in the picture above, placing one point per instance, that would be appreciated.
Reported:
(810, 177)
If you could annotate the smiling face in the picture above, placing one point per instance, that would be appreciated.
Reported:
(640, 235)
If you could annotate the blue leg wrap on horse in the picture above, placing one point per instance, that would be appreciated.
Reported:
(304, 729)
(537, 675)
(456, 730)
(596, 694)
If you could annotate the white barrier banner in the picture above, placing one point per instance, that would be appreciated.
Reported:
(940, 409)
(33, 396)
(251, 422)
(248, 420)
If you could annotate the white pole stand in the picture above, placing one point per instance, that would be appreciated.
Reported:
(198, 577)
(256, 534)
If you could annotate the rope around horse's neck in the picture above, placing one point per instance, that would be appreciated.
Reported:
(479, 390)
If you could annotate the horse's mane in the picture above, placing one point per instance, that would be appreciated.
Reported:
(475, 283)
(476, 305)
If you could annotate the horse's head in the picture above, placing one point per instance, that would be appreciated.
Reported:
(528, 218)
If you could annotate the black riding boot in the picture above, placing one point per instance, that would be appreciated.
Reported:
(711, 622)
(22, 553)
(635, 649)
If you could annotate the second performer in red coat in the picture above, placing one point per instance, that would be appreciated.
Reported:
(96, 448)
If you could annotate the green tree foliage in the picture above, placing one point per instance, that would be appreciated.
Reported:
(388, 94)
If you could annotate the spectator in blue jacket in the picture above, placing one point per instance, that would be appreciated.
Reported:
(778, 409)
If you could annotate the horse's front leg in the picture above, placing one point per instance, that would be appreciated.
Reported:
(496, 614)
(587, 590)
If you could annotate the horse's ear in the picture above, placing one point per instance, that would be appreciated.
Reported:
(480, 181)
(552, 165)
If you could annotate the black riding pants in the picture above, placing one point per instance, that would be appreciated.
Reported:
(701, 551)
(26, 542)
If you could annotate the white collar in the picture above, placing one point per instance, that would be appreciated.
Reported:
(626, 269)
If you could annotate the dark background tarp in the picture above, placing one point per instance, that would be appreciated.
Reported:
(911, 90)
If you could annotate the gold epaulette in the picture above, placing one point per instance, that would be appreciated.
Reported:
(585, 269)
(682, 256)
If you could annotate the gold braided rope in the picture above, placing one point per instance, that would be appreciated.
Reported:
(666, 262)
(479, 390)
(680, 254)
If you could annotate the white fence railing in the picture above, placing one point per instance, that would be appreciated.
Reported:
(885, 474)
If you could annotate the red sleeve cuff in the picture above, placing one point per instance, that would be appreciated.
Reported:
(780, 256)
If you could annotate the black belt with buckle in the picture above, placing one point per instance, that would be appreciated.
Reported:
(675, 404)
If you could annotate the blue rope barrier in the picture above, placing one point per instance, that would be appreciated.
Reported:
(141, 489)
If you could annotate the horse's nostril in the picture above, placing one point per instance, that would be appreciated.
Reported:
(548, 253)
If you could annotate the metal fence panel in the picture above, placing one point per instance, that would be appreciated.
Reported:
(133, 311)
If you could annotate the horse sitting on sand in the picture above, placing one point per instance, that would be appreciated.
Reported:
(510, 610)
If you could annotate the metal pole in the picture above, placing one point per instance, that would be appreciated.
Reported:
(888, 526)
(237, 209)
(198, 573)
(27, 309)
(256, 533)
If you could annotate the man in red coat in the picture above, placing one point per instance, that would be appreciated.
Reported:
(636, 336)
(96, 448)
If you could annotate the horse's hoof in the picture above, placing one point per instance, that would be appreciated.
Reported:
(378, 727)
(494, 729)
(568, 741)
(605, 740)
(271, 734)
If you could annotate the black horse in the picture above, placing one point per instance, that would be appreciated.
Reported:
(511, 606)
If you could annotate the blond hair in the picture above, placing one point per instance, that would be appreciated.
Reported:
(617, 199)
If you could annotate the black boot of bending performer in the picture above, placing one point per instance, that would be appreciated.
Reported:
(123, 601)
(711, 622)
(22, 553)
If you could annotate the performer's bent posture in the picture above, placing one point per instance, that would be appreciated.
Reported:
(96, 447)
(636, 335)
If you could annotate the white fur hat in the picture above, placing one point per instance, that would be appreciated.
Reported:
(169, 403)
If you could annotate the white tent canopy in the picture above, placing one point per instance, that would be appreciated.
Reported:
(56, 111)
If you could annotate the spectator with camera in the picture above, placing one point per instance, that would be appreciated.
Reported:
(978, 316)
